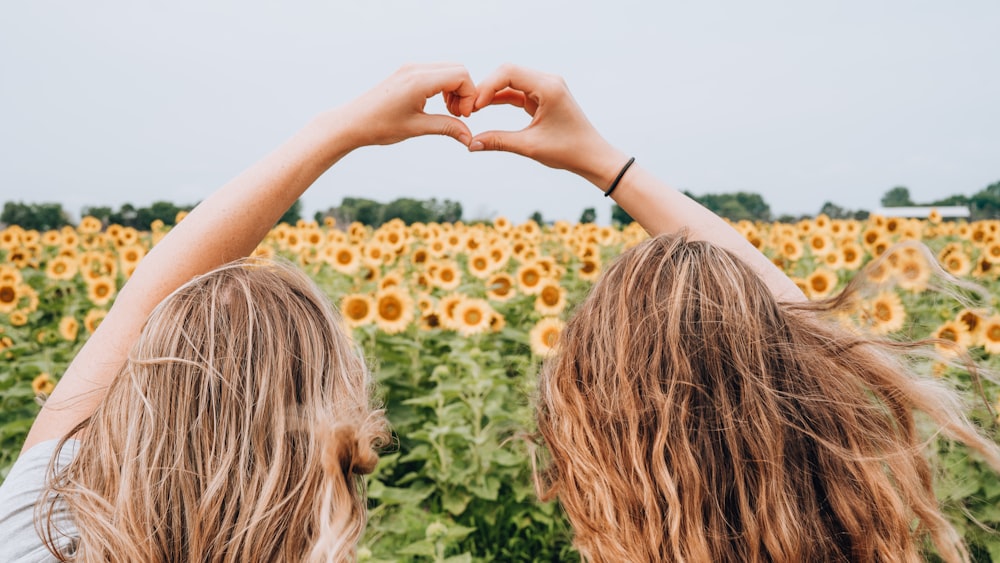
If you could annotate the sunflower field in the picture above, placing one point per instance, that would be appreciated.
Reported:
(455, 320)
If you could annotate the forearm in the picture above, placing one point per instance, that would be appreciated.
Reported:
(226, 226)
(662, 209)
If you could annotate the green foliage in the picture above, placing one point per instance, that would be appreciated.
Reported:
(293, 214)
(38, 216)
(619, 216)
(372, 213)
(589, 215)
(897, 197)
(735, 206)
(537, 217)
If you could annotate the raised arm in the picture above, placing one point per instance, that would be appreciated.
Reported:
(232, 221)
(560, 136)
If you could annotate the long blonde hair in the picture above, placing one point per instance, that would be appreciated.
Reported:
(236, 431)
(691, 417)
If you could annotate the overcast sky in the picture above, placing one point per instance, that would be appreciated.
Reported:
(106, 102)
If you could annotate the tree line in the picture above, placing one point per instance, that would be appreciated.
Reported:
(736, 206)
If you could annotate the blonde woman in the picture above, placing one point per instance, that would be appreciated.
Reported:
(698, 408)
(219, 413)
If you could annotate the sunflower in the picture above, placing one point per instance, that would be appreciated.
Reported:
(957, 263)
(392, 279)
(89, 225)
(344, 258)
(501, 224)
(551, 299)
(851, 256)
(10, 274)
(101, 290)
(394, 310)
(480, 265)
(790, 248)
(446, 275)
(886, 313)
(832, 260)
(93, 319)
(954, 338)
(590, 269)
(497, 322)
(544, 337)
(972, 320)
(18, 318)
(9, 296)
(820, 244)
(472, 316)
(500, 287)
(42, 384)
(529, 278)
(52, 238)
(821, 283)
(991, 252)
(68, 328)
(358, 309)
(913, 273)
(989, 336)
(446, 309)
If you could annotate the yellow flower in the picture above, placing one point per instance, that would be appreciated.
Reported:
(590, 268)
(886, 313)
(358, 309)
(530, 278)
(544, 337)
(989, 337)
(480, 265)
(93, 319)
(790, 248)
(821, 283)
(61, 268)
(851, 256)
(991, 252)
(394, 310)
(18, 318)
(89, 225)
(9, 296)
(446, 275)
(68, 328)
(913, 273)
(954, 338)
(820, 244)
(500, 287)
(472, 316)
(344, 258)
(101, 290)
(446, 309)
(957, 263)
(551, 299)
(42, 384)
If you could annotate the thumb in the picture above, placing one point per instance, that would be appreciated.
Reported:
(508, 141)
(444, 125)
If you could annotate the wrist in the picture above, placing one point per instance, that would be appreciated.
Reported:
(603, 165)
(335, 132)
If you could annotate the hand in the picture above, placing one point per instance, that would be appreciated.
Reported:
(559, 135)
(394, 110)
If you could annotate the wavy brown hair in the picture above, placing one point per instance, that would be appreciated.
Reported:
(235, 431)
(690, 416)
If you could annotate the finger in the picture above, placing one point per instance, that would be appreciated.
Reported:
(454, 80)
(444, 125)
(507, 141)
(508, 76)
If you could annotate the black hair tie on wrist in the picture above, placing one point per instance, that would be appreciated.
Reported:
(618, 178)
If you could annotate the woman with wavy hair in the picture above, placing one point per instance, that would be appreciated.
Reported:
(698, 408)
(225, 417)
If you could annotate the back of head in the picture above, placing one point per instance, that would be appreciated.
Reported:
(234, 432)
(691, 417)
